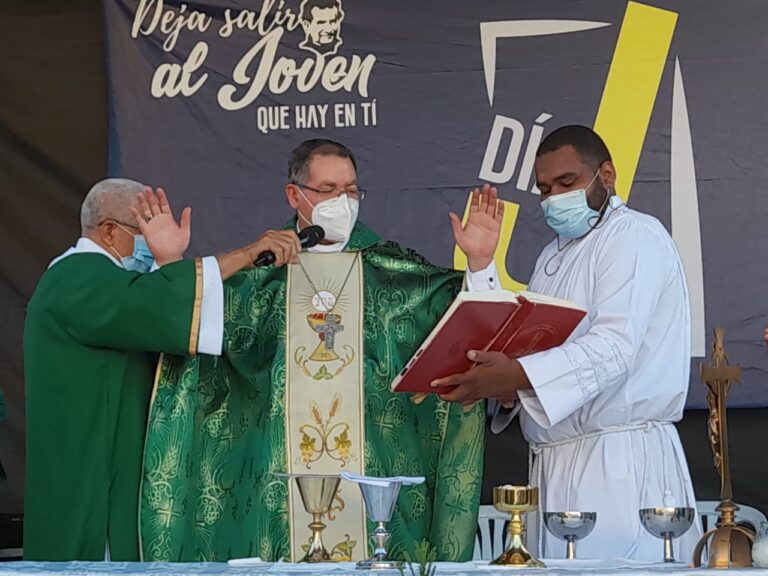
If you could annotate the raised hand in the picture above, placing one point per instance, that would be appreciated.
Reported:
(166, 238)
(479, 236)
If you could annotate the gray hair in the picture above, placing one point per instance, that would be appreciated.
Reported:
(110, 198)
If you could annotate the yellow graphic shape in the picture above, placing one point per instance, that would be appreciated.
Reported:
(622, 117)
(631, 88)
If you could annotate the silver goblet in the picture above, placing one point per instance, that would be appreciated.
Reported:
(570, 526)
(667, 523)
(380, 500)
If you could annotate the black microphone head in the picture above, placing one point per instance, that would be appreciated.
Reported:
(311, 235)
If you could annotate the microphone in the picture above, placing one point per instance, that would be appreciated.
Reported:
(308, 237)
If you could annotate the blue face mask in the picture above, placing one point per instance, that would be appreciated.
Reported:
(569, 214)
(142, 259)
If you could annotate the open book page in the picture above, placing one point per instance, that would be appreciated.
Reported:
(535, 297)
(507, 296)
(487, 296)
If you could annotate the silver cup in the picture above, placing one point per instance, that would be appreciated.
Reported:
(667, 523)
(570, 526)
(380, 504)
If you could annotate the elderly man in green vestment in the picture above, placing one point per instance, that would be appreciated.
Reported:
(96, 316)
(303, 387)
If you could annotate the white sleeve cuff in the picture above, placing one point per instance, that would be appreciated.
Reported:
(212, 309)
(530, 403)
(554, 396)
(501, 418)
(487, 279)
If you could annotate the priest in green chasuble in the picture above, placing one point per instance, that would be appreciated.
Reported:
(97, 315)
(302, 386)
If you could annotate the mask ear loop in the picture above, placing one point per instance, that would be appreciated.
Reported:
(299, 214)
(599, 221)
(116, 253)
(112, 248)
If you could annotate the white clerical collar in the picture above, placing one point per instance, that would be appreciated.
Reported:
(86, 246)
(327, 248)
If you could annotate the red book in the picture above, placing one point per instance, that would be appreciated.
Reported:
(500, 321)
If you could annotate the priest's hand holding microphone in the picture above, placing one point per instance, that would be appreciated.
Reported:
(308, 237)
(274, 247)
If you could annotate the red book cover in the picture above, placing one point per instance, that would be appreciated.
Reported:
(516, 324)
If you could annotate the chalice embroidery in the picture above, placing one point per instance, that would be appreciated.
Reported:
(324, 363)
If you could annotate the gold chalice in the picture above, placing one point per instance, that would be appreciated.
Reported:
(517, 501)
(317, 493)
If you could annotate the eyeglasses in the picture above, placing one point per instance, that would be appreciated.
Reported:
(354, 191)
(118, 222)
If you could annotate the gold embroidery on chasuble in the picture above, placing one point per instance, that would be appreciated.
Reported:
(324, 395)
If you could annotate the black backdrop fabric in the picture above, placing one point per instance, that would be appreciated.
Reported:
(53, 140)
(53, 146)
(462, 92)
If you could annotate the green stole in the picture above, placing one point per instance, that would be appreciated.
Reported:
(221, 427)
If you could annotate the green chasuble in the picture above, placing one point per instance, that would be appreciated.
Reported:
(91, 336)
(217, 429)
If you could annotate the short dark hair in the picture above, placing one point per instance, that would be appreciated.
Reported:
(587, 143)
(308, 5)
(298, 165)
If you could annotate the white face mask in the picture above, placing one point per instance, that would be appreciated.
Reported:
(336, 216)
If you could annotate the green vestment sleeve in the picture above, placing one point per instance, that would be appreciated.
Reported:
(113, 308)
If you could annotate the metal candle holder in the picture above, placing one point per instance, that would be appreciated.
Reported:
(730, 546)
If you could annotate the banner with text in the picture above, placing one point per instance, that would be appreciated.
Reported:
(208, 98)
